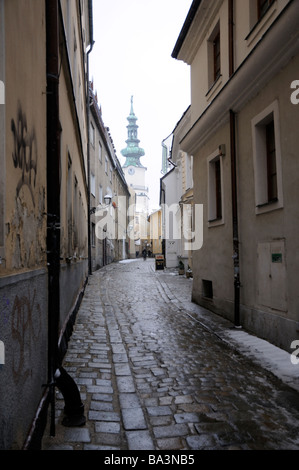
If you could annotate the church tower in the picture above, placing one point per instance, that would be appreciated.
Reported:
(133, 152)
(135, 176)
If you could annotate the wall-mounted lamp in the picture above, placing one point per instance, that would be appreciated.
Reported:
(107, 200)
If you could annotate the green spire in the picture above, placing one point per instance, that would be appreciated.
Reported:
(132, 152)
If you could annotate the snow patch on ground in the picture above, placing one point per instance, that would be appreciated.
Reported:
(128, 260)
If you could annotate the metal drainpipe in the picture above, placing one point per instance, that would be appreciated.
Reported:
(237, 283)
(56, 374)
(231, 37)
(88, 161)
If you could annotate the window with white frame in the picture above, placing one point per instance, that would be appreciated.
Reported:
(214, 58)
(263, 6)
(215, 188)
(92, 184)
(257, 10)
(267, 159)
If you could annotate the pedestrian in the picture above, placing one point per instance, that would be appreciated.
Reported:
(144, 254)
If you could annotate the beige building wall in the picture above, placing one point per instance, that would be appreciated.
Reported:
(109, 239)
(156, 232)
(23, 274)
(270, 292)
(265, 59)
(73, 148)
(213, 262)
(24, 296)
(25, 169)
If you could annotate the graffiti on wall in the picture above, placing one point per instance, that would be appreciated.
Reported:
(25, 329)
(4, 308)
(4, 315)
(24, 155)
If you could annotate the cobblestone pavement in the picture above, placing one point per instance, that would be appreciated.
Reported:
(154, 376)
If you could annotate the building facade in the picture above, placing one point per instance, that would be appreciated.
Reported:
(135, 176)
(108, 220)
(43, 231)
(155, 235)
(244, 61)
(176, 197)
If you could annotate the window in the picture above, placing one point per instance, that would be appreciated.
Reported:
(218, 198)
(262, 7)
(106, 165)
(271, 162)
(267, 160)
(92, 134)
(100, 152)
(93, 234)
(92, 184)
(69, 203)
(214, 56)
(110, 174)
(101, 194)
(207, 289)
(215, 197)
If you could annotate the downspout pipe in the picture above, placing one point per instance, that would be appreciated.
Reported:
(88, 136)
(237, 283)
(234, 174)
(56, 374)
(231, 37)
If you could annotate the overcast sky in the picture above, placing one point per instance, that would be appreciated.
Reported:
(134, 40)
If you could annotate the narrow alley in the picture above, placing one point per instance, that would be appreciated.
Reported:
(154, 373)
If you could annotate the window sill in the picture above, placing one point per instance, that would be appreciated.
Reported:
(270, 206)
(260, 23)
(273, 201)
(215, 222)
(214, 87)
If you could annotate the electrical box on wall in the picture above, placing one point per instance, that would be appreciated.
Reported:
(276, 257)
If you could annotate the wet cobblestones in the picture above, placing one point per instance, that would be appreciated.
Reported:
(153, 377)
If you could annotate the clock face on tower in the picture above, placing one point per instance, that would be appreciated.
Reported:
(131, 171)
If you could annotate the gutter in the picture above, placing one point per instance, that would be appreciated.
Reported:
(185, 29)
